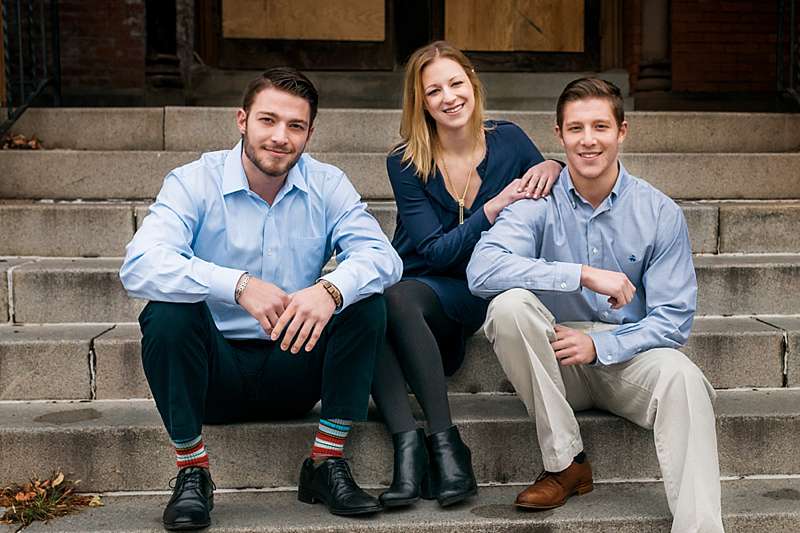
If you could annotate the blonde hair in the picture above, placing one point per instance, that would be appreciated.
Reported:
(419, 144)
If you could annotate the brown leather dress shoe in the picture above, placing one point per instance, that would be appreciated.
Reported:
(551, 489)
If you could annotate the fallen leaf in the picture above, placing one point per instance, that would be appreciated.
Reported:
(96, 501)
(59, 479)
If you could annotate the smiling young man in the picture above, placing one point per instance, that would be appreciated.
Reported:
(241, 325)
(594, 289)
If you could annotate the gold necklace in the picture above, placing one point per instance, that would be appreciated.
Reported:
(466, 188)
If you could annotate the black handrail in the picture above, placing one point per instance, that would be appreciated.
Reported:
(37, 66)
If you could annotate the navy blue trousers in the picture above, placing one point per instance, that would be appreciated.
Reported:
(198, 377)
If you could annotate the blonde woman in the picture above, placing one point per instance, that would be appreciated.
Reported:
(452, 175)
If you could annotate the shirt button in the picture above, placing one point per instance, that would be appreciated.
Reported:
(594, 251)
(563, 285)
(269, 251)
(604, 314)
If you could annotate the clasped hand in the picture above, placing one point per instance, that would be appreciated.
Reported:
(300, 316)
(573, 347)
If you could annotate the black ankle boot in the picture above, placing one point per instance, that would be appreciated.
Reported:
(410, 467)
(451, 477)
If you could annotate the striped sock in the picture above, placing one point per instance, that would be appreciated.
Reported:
(330, 438)
(191, 453)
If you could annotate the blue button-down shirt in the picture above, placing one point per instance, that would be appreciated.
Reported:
(206, 228)
(540, 245)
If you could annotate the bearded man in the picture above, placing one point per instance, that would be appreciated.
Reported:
(240, 324)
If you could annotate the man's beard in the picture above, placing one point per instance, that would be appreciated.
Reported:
(274, 172)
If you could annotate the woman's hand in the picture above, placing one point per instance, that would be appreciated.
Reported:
(539, 179)
(512, 192)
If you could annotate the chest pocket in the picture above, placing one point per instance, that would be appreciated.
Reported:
(309, 257)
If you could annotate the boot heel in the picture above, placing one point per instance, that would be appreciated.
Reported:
(306, 497)
(585, 488)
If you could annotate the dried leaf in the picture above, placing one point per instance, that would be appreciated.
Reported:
(59, 479)
(96, 501)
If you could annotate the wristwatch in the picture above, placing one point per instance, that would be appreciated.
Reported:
(333, 291)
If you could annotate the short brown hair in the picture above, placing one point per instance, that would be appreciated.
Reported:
(584, 88)
(286, 79)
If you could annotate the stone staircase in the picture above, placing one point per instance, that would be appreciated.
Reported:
(73, 395)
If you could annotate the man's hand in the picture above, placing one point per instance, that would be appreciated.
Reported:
(264, 301)
(573, 347)
(306, 317)
(615, 285)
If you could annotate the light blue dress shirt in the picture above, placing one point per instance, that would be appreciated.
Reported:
(207, 227)
(540, 245)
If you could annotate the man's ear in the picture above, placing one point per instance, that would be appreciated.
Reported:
(557, 132)
(241, 120)
(623, 131)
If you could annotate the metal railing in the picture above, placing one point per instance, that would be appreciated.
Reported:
(31, 54)
(788, 50)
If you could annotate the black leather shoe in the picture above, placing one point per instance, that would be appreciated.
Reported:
(410, 467)
(192, 500)
(451, 477)
(332, 483)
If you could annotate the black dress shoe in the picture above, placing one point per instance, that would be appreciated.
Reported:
(410, 468)
(451, 477)
(192, 500)
(332, 483)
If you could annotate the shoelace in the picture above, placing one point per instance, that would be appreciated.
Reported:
(545, 474)
(340, 476)
(182, 478)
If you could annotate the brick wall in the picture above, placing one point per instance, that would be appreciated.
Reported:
(103, 46)
(723, 45)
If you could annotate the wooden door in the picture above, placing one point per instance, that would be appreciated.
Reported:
(310, 34)
(519, 35)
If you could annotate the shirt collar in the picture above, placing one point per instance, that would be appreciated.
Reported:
(623, 178)
(234, 179)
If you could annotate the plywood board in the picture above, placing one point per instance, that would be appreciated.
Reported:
(327, 20)
(515, 25)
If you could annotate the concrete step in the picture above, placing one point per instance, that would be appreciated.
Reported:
(748, 506)
(102, 229)
(89, 290)
(94, 361)
(121, 445)
(93, 175)
(791, 327)
(747, 284)
(376, 130)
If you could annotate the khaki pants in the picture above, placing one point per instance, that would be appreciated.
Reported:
(659, 389)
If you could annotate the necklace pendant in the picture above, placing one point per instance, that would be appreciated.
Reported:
(461, 212)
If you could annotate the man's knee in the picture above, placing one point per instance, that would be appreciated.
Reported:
(677, 373)
(369, 313)
(515, 311)
(168, 320)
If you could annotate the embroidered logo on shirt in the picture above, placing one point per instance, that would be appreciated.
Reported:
(632, 258)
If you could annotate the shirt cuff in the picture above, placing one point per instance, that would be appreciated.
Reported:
(222, 287)
(605, 345)
(567, 277)
(340, 281)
